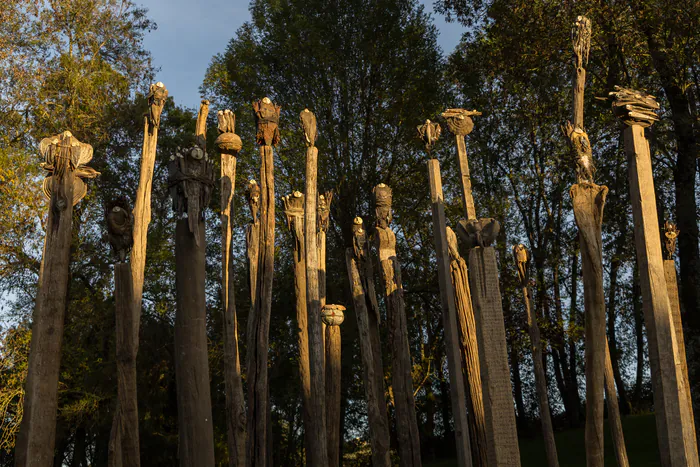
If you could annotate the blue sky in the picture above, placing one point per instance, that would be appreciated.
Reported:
(191, 32)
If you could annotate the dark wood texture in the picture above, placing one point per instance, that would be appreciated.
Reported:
(332, 317)
(449, 318)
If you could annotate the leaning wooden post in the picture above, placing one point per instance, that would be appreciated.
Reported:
(521, 261)
(267, 117)
(614, 419)
(429, 133)
(65, 158)
(294, 212)
(333, 317)
(364, 298)
(588, 201)
(229, 143)
(673, 424)
(191, 177)
(407, 433)
(671, 233)
(318, 445)
(124, 438)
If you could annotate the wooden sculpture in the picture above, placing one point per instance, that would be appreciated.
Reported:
(333, 317)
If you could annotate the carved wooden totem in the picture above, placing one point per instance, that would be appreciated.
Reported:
(333, 317)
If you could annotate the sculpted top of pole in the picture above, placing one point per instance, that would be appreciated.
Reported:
(581, 38)
(634, 107)
(452, 246)
(671, 233)
(293, 207)
(157, 95)
(382, 205)
(308, 124)
(459, 120)
(359, 238)
(332, 315)
(521, 257)
(267, 118)
(429, 133)
(64, 153)
(478, 232)
(120, 221)
(323, 208)
(252, 195)
(585, 168)
(228, 141)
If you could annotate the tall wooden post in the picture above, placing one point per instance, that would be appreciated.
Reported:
(470, 351)
(65, 158)
(429, 133)
(614, 419)
(359, 266)
(322, 222)
(671, 233)
(124, 438)
(673, 424)
(521, 261)
(317, 429)
(460, 124)
(229, 143)
(401, 364)
(258, 444)
(294, 212)
(333, 317)
(191, 178)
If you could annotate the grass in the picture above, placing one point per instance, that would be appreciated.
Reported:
(640, 438)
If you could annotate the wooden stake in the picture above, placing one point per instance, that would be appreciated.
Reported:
(65, 159)
(333, 317)
(449, 317)
(191, 178)
(318, 455)
(323, 218)
(674, 427)
(407, 433)
(521, 261)
(358, 261)
(618, 435)
(258, 444)
(470, 351)
(229, 144)
(460, 124)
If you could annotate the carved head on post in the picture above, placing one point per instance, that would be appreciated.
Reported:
(324, 210)
(120, 221)
(308, 124)
(359, 238)
(293, 208)
(157, 95)
(452, 247)
(429, 133)
(478, 232)
(252, 195)
(228, 141)
(583, 153)
(63, 153)
(581, 38)
(521, 257)
(382, 205)
(671, 233)
(634, 107)
(459, 121)
(267, 117)
(332, 315)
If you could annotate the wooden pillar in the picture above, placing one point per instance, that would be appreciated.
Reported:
(333, 317)
(674, 427)
(124, 437)
(521, 261)
(191, 178)
(317, 429)
(323, 208)
(368, 319)
(258, 444)
(670, 235)
(294, 212)
(229, 143)
(614, 420)
(65, 158)
(407, 433)
(429, 132)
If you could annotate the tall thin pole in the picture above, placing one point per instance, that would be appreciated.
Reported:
(333, 317)
(229, 143)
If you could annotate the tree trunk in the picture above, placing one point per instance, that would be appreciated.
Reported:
(449, 318)
(589, 200)
(195, 427)
(407, 433)
(614, 413)
(370, 349)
